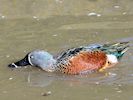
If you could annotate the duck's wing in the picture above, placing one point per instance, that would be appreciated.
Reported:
(73, 51)
(80, 60)
(115, 49)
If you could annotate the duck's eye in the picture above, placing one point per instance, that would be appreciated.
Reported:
(31, 56)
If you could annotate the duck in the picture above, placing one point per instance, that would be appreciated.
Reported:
(74, 61)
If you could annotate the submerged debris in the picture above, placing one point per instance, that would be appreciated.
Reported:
(94, 14)
(46, 93)
(116, 6)
(124, 13)
(10, 78)
(35, 17)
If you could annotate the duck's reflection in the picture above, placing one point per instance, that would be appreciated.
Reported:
(43, 79)
(39, 79)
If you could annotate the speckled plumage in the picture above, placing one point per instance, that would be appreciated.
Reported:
(79, 60)
(82, 62)
(88, 58)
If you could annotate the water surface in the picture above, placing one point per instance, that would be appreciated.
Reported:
(56, 25)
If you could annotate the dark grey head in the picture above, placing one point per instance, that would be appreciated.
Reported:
(37, 58)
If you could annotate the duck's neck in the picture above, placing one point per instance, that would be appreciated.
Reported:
(49, 65)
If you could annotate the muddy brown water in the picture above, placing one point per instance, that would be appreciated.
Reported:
(56, 25)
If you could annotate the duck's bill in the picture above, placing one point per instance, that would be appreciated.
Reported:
(21, 63)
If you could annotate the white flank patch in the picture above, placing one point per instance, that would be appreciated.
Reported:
(112, 58)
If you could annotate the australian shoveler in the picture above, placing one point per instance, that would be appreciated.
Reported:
(79, 60)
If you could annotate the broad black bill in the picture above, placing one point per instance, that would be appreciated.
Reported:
(23, 62)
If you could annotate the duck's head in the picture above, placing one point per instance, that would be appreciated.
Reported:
(37, 58)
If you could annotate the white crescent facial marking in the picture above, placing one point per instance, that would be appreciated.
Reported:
(29, 59)
(112, 58)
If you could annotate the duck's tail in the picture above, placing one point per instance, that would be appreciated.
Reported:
(116, 49)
